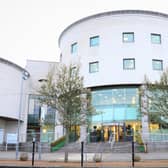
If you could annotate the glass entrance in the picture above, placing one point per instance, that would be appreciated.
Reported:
(121, 131)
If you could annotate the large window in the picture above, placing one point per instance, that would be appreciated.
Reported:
(74, 48)
(94, 41)
(115, 104)
(128, 63)
(40, 118)
(155, 38)
(93, 67)
(157, 64)
(128, 37)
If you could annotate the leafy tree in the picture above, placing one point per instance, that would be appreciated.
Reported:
(64, 91)
(158, 99)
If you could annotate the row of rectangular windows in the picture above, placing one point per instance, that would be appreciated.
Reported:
(128, 64)
(127, 37)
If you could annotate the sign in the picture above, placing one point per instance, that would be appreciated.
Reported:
(11, 138)
(113, 124)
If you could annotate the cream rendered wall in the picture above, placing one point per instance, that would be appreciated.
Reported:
(112, 50)
(39, 70)
(10, 92)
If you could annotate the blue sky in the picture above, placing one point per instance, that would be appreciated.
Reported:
(29, 29)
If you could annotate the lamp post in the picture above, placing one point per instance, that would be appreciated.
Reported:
(25, 76)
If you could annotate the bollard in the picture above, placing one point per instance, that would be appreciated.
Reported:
(133, 153)
(82, 145)
(33, 151)
(146, 148)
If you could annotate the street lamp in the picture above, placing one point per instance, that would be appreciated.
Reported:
(25, 76)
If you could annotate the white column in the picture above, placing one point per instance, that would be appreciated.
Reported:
(144, 112)
(83, 127)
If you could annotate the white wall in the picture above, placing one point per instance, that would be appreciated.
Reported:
(38, 70)
(9, 91)
(10, 94)
(112, 50)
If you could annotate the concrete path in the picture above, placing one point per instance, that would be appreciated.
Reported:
(106, 157)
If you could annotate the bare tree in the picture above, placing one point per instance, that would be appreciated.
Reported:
(158, 99)
(63, 91)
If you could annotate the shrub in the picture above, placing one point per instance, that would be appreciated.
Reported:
(97, 158)
(139, 139)
(24, 156)
(57, 141)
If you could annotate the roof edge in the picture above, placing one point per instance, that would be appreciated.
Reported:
(7, 62)
(146, 12)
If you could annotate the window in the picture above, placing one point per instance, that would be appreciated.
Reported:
(94, 41)
(73, 70)
(129, 63)
(157, 64)
(156, 38)
(74, 48)
(93, 67)
(115, 104)
(128, 37)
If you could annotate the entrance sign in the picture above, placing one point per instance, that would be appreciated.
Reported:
(113, 124)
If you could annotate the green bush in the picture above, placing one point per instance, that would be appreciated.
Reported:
(58, 141)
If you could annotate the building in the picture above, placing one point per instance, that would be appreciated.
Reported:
(13, 95)
(22, 114)
(115, 50)
(37, 112)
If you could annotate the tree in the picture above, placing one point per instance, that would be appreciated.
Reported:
(64, 91)
(158, 99)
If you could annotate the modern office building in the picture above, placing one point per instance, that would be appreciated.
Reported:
(115, 50)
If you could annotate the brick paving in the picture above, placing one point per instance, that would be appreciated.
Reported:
(124, 164)
(109, 160)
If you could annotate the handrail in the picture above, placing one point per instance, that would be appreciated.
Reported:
(111, 140)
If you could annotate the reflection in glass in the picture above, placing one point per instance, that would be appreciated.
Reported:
(118, 104)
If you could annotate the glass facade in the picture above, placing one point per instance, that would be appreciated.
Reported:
(41, 121)
(115, 105)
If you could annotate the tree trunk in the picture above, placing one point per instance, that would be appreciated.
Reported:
(67, 136)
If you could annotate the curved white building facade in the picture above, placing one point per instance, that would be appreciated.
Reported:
(13, 96)
(115, 51)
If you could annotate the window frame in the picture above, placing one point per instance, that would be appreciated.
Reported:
(91, 63)
(92, 38)
(72, 48)
(157, 60)
(158, 35)
(128, 59)
(128, 33)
